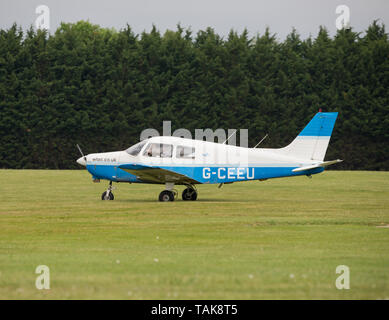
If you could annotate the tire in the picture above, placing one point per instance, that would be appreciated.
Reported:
(104, 196)
(189, 194)
(166, 196)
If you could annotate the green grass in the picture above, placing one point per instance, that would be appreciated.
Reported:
(278, 239)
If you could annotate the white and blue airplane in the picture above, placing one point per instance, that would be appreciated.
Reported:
(177, 161)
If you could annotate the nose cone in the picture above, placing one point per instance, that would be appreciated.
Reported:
(82, 161)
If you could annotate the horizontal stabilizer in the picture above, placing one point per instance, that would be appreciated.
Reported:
(317, 165)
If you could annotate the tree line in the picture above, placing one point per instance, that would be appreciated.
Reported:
(100, 88)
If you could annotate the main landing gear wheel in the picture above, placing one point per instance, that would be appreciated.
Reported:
(189, 194)
(108, 195)
(166, 195)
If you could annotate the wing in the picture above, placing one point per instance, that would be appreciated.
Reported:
(156, 175)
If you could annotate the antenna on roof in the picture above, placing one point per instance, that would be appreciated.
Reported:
(261, 140)
(230, 136)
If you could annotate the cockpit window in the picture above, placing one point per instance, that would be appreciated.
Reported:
(136, 148)
(159, 150)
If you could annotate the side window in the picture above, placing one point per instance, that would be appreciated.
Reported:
(159, 150)
(185, 152)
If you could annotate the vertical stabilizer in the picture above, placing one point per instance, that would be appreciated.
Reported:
(312, 142)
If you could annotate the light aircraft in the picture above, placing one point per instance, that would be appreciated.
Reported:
(177, 161)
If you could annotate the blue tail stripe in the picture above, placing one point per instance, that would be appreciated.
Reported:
(321, 125)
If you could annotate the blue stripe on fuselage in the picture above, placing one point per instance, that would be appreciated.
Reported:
(204, 174)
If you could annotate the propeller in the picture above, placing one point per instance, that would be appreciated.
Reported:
(79, 149)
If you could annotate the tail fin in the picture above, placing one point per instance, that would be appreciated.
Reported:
(313, 141)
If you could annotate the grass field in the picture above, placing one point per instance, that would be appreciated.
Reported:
(278, 239)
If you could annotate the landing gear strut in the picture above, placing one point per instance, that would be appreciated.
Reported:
(190, 193)
(108, 195)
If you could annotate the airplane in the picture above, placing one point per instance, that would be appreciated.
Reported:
(174, 161)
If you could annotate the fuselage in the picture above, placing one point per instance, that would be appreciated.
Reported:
(201, 161)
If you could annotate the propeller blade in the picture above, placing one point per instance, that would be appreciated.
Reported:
(79, 149)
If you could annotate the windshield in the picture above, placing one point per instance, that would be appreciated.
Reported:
(136, 148)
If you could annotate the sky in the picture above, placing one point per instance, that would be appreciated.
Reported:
(223, 15)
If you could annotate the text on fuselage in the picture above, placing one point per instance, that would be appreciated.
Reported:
(231, 173)
(104, 159)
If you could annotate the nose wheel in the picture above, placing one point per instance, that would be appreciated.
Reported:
(108, 195)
